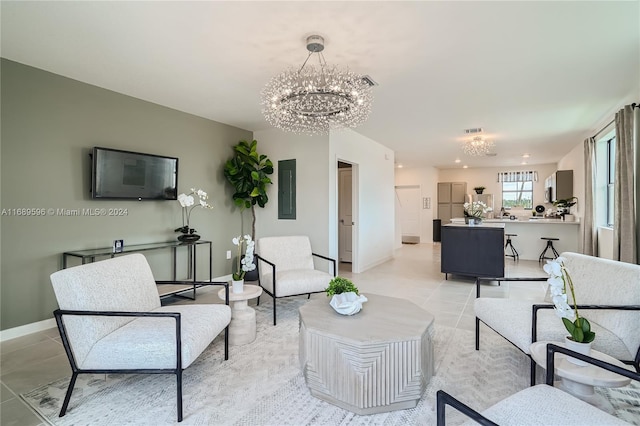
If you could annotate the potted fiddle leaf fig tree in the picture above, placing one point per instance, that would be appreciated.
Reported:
(248, 172)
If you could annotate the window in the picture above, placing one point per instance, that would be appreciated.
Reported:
(517, 188)
(611, 171)
(517, 194)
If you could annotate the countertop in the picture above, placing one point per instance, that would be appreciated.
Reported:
(460, 221)
(484, 224)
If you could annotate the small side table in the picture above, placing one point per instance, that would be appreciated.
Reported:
(580, 380)
(242, 329)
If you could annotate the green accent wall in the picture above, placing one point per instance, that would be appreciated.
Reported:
(49, 125)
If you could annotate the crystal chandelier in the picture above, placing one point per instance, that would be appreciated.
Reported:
(313, 99)
(478, 146)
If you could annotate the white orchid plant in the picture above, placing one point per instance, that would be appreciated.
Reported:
(559, 280)
(188, 203)
(243, 264)
(476, 209)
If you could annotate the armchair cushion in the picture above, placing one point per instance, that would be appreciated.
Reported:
(511, 318)
(546, 405)
(150, 343)
(296, 281)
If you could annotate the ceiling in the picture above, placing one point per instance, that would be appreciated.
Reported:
(539, 77)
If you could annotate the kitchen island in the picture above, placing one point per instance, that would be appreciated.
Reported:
(475, 251)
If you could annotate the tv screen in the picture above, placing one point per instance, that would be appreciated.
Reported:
(117, 174)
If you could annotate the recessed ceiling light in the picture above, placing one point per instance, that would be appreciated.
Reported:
(457, 160)
(525, 155)
(465, 167)
(523, 163)
(399, 166)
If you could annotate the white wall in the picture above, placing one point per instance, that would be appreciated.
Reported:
(427, 179)
(312, 193)
(374, 211)
(574, 160)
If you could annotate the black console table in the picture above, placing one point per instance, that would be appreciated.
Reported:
(170, 288)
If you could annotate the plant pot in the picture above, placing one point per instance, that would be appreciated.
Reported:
(237, 286)
(581, 348)
(348, 303)
(479, 191)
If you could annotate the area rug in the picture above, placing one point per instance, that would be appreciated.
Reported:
(262, 384)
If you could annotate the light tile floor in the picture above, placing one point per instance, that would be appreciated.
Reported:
(30, 361)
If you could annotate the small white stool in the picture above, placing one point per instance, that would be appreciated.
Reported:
(242, 329)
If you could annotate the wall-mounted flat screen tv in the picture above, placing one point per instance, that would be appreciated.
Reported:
(117, 174)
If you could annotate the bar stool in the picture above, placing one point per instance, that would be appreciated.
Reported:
(549, 245)
(509, 244)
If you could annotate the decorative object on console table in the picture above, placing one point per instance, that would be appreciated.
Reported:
(244, 263)
(187, 201)
(479, 189)
(345, 297)
(580, 328)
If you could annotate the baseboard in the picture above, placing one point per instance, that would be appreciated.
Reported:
(34, 327)
(23, 330)
(376, 263)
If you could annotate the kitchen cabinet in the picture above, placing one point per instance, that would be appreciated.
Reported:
(559, 186)
(451, 199)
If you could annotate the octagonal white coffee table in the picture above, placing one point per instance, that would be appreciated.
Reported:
(578, 380)
(242, 328)
(377, 360)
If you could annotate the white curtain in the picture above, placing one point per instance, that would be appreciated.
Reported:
(589, 228)
(625, 231)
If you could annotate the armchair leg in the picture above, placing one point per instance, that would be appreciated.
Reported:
(226, 343)
(179, 393)
(274, 310)
(67, 397)
(477, 333)
(309, 296)
(258, 301)
(533, 372)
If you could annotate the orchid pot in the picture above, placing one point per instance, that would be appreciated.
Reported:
(581, 348)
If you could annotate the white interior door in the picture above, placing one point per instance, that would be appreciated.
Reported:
(345, 215)
(409, 200)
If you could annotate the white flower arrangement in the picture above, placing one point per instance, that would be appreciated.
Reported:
(188, 203)
(559, 280)
(243, 264)
(476, 209)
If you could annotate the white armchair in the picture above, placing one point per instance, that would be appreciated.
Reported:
(111, 321)
(608, 293)
(286, 268)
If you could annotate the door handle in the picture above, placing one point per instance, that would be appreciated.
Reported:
(342, 221)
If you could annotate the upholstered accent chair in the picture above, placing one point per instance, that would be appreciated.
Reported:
(286, 268)
(539, 405)
(111, 321)
(608, 295)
